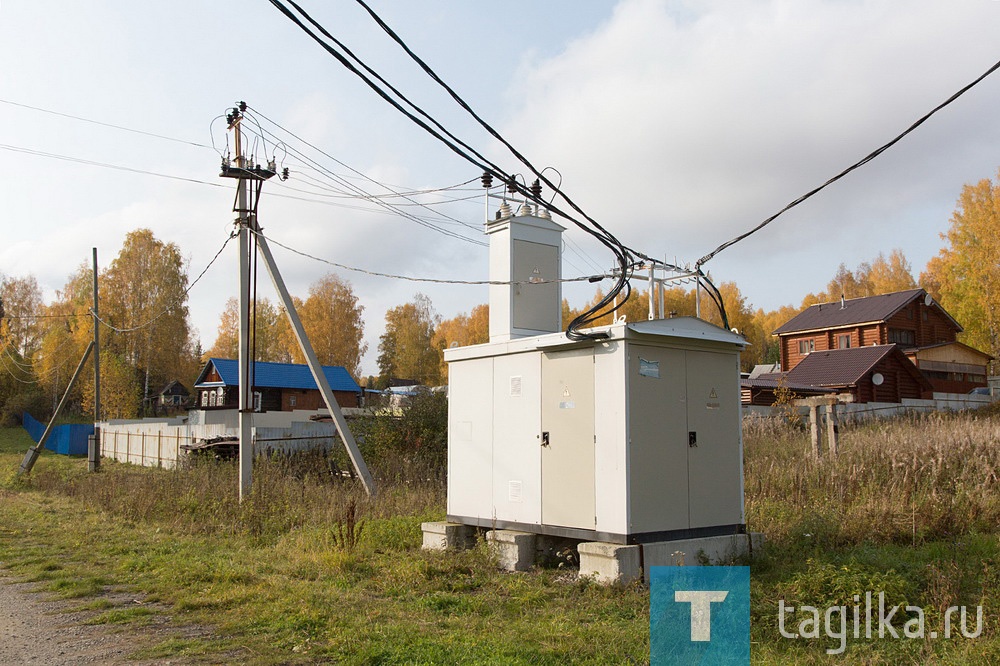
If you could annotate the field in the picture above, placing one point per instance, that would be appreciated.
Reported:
(311, 571)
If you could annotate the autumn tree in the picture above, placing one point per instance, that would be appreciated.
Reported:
(268, 341)
(145, 290)
(227, 336)
(19, 326)
(882, 275)
(121, 391)
(68, 331)
(741, 316)
(965, 274)
(332, 317)
(461, 331)
(405, 349)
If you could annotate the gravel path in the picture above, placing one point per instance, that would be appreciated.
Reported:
(35, 631)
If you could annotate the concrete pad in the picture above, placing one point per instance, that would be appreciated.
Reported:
(702, 551)
(610, 563)
(515, 550)
(448, 536)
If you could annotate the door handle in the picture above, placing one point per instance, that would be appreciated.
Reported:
(545, 438)
(692, 438)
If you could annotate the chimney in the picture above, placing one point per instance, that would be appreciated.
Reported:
(842, 303)
(525, 255)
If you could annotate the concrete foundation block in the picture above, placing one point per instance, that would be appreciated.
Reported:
(610, 563)
(448, 536)
(515, 550)
(701, 551)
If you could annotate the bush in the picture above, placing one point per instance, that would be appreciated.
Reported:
(410, 443)
(33, 402)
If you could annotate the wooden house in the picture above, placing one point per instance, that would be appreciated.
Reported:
(879, 373)
(173, 396)
(922, 330)
(276, 386)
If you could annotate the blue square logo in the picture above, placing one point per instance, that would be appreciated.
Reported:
(699, 615)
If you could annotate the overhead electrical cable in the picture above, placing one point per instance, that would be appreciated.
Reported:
(621, 252)
(394, 276)
(865, 160)
(104, 124)
(170, 307)
(455, 145)
(105, 165)
(349, 185)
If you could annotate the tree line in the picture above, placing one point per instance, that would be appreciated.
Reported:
(148, 340)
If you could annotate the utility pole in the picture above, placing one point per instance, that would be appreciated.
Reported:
(94, 448)
(32, 455)
(243, 172)
(246, 221)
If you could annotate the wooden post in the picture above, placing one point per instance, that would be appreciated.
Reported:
(817, 448)
(831, 402)
(832, 428)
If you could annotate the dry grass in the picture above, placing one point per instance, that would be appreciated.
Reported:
(202, 499)
(900, 481)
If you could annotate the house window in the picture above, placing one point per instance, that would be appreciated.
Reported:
(204, 398)
(211, 399)
(844, 341)
(292, 400)
(806, 346)
(902, 336)
(256, 401)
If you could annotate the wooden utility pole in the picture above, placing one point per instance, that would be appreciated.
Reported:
(32, 455)
(94, 445)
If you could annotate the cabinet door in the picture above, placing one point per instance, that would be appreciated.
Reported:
(715, 467)
(567, 446)
(657, 447)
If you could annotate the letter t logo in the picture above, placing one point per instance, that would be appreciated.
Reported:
(701, 610)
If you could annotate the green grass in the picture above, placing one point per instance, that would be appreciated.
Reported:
(910, 508)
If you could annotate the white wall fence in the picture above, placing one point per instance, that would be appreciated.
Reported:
(158, 443)
(853, 412)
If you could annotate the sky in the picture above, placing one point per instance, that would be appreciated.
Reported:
(677, 125)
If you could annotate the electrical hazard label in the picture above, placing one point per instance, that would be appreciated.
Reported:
(713, 394)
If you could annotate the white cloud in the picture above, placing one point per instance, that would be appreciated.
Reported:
(681, 126)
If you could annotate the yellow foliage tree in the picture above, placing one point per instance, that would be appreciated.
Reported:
(965, 275)
(461, 331)
(405, 349)
(333, 319)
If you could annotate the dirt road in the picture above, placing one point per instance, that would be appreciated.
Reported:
(35, 630)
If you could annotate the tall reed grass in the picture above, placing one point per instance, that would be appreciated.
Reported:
(904, 480)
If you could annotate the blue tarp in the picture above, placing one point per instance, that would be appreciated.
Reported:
(69, 439)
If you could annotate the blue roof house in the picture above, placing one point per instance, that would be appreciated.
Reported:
(276, 386)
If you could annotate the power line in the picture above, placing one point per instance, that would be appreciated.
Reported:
(116, 167)
(170, 307)
(622, 254)
(104, 124)
(104, 165)
(865, 160)
(355, 187)
(584, 278)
